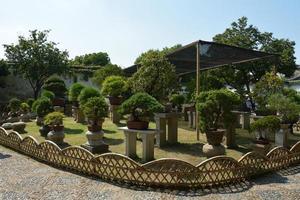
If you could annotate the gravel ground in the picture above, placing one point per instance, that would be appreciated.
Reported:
(24, 178)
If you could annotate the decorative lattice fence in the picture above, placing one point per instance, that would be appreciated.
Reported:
(168, 173)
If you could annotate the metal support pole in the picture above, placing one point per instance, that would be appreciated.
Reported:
(198, 87)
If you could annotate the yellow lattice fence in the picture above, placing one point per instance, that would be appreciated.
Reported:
(166, 173)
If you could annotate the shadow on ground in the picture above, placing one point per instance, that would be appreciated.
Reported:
(73, 131)
(3, 156)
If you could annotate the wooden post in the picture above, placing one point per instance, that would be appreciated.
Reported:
(197, 86)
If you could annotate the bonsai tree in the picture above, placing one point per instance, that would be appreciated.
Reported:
(30, 101)
(74, 92)
(48, 94)
(14, 106)
(215, 108)
(177, 100)
(108, 70)
(114, 87)
(55, 85)
(87, 93)
(265, 125)
(140, 106)
(54, 120)
(95, 109)
(42, 107)
(24, 107)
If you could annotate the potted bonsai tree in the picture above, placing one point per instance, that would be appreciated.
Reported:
(215, 114)
(42, 107)
(95, 109)
(114, 87)
(54, 120)
(74, 92)
(24, 108)
(263, 127)
(14, 107)
(177, 100)
(140, 107)
(58, 87)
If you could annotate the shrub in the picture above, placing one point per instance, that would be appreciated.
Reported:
(48, 94)
(140, 105)
(87, 93)
(114, 86)
(30, 101)
(177, 99)
(215, 107)
(74, 91)
(55, 85)
(54, 118)
(270, 123)
(14, 104)
(95, 108)
(24, 107)
(42, 107)
(108, 70)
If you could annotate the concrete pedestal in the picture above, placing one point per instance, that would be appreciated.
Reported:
(243, 119)
(281, 137)
(95, 143)
(230, 141)
(212, 150)
(80, 116)
(56, 137)
(68, 109)
(190, 118)
(115, 116)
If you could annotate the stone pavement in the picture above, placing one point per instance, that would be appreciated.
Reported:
(24, 178)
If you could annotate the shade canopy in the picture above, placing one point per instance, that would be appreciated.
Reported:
(212, 55)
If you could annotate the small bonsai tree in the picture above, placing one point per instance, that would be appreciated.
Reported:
(177, 100)
(42, 107)
(114, 86)
(74, 91)
(215, 108)
(48, 94)
(14, 105)
(95, 109)
(55, 85)
(54, 119)
(139, 106)
(24, 107)
(87, 93)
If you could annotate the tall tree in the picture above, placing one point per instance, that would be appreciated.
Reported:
(36, 59)
(247, 36)
(100, 58)
(3, 72)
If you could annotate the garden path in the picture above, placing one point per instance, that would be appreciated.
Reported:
(24, 178)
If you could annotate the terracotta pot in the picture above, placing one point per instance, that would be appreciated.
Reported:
(58, 102)
(115, 100)
(215, 137)
(139, 125)
(57, 128)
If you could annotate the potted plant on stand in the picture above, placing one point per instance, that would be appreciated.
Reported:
(95, 109)
(74, 92)
(114, 87)
(83, 97)
(215, 114)
(24, 107)
(140, 107)
(42, 107)
(177, 100)
(54, 120)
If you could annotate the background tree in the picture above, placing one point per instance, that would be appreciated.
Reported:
(100, 58)
(108, 70)
(3, 72)
(240, 77)
(35, 58)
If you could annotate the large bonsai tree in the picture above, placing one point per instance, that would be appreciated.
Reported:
(74, 91)
(114, 86)
(36, 59)
(55, 85)
(108, 70)
(95, 109)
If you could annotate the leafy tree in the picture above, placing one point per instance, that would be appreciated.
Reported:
(100, 58)
(36, 58)
(156, 76)
(108, 70)
(247, 36)
(3, 72)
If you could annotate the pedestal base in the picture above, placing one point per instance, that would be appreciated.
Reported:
(212, 150)
(103, 148)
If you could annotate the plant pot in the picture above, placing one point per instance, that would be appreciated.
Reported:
(115, 100)
(58, 102)
(57, 128)
(215, 137)
(139, 125)
(44, 130)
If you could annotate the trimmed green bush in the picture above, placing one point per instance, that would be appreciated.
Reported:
(42, 107)
(140, 105)
(95, 108)
(114, 86)
(55, 85)
(14, 104)
(74, 91)
(87, 93)
(24, 107)
(30, 101)
(54, 118)
(215, 108)
(177, 99)
(48, 94)
(270, 123)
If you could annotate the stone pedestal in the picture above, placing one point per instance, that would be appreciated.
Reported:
(281, 137)
(56, 137)
(80, 116)
(161, 136)
(230, 137)
(68, 109)
(95, 143)
(194, 119)
(190, 118)
(213, 150)
(245, 120)
(115, 116)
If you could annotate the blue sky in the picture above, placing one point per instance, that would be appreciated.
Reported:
(126, 28)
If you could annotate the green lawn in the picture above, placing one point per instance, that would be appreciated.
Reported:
(188, 148)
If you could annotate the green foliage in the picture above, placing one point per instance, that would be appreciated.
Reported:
(3, 72)
(95, 108)
(87, 93)
(54, 118)
(48, 94)
(156, 76)
(55, 85)
(177, 99)
(140, 105)
(270, 123)
(292, 94)
(268, 85)
(36, 59)
(30, 101)
(287, 109)
(114, 86)
(74, 91)
(215, 107)
(42, 106)
(14, 104)
(100, 58)
(24, 107)
(108, 70)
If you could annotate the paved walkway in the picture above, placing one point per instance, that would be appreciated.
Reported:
(24, 178)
